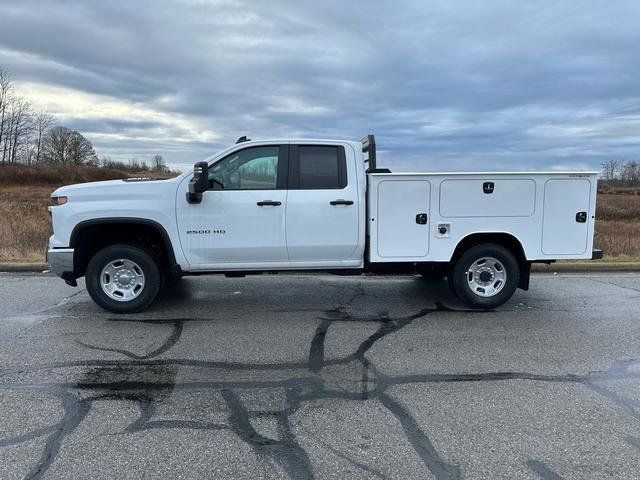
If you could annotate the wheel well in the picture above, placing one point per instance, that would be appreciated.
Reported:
(88, 238)
(505, 240)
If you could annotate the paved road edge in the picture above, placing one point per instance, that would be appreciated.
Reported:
(22, 267)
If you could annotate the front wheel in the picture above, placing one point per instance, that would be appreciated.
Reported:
(122, 279)
(485, 276)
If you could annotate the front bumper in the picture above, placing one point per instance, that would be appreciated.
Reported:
(60, 262)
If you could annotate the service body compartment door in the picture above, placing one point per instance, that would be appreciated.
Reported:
(403, 218)
(487, 197)
(566, 218)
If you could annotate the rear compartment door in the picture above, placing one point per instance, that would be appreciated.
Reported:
(403, 218)
(566, 205)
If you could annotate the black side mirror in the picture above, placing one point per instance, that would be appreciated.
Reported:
(199, 183)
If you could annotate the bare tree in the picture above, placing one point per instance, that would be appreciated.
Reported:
(6, 85)
(19, 127)
(42, 121)
(81, 150)
(63, 146)
(631, 173)
(611, 170)
(158, 164)
(134, 164)
(55, 145)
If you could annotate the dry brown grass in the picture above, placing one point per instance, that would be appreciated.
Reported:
(25, 223)
(618, 224)
(54, 175)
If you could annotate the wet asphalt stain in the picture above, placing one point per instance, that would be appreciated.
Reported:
(147, 381)
(316, 352)
(543, 471)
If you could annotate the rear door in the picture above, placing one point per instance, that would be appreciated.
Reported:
(566, 218)
(322, 221)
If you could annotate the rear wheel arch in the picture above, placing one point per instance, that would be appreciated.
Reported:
(503, 239)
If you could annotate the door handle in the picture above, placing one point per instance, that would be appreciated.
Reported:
(421, 219)
(268, 202)
(341, 202)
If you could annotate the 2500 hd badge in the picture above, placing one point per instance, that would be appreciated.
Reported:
(205, 232)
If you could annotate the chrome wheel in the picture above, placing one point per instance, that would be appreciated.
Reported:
(486, 277)
(122, 280)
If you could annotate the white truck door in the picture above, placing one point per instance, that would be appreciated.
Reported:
(567, 210)
(322, 205)
(403, 218)
(244, 222)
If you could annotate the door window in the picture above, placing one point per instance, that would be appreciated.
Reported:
(254, 168)
(320, 167)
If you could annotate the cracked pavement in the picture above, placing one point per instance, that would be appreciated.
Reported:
(300, 376)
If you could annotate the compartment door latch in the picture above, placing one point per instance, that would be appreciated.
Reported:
(581, 217)
(487, 187)
(421, 219)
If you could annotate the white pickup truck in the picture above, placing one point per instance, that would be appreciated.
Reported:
(318, 205)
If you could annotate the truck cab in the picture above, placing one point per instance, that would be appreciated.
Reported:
(318, 205)
(267, 205)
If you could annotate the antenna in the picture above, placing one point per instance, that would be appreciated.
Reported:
(243, 139)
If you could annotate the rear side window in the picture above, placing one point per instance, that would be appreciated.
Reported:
(321, 167)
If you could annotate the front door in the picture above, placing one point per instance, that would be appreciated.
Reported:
(322, 207)
(240, 222)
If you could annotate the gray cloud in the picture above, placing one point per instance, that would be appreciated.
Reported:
(443, 84)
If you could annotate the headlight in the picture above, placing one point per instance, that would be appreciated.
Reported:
(59, 200)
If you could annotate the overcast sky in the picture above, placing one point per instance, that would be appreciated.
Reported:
(444, 85)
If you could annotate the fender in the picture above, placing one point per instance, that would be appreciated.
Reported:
(133, 220)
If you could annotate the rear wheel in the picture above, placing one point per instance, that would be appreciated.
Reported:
(485, 276)
(122, 279)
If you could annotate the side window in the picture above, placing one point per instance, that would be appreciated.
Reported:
(254, 168)
(321, 167)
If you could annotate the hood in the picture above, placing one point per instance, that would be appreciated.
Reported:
(134, 188)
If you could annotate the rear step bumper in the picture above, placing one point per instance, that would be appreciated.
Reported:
(596, 254)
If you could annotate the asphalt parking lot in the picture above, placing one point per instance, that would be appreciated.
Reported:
(298, 376)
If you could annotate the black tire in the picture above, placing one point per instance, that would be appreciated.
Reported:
(149, 268)
(461, 279)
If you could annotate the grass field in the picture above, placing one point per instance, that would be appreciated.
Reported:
(25, 224)
(618, 224)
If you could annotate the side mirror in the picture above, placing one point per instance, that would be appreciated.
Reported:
(199, 183)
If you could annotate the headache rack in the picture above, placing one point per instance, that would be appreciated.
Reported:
(369, 146)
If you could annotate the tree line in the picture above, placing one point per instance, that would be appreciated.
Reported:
(33, 137)
(619, 173)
